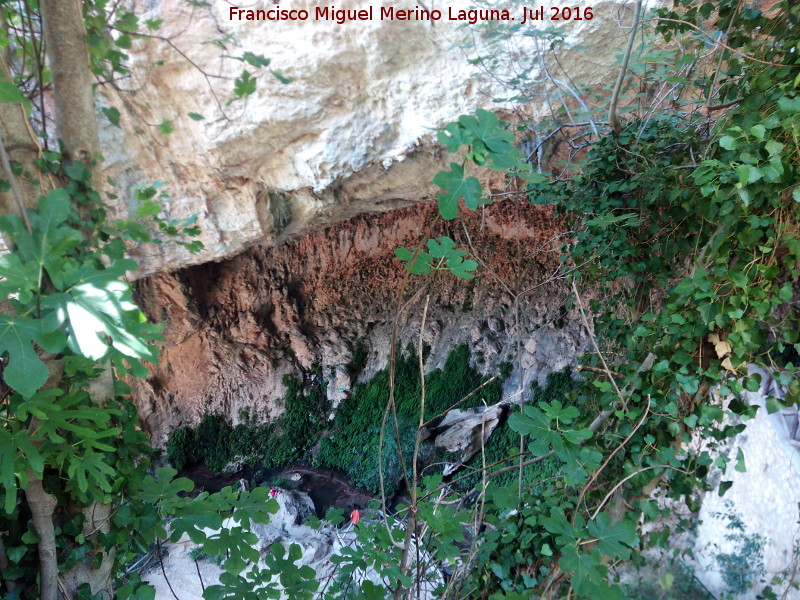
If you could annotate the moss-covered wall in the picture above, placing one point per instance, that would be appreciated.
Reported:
(350, 443)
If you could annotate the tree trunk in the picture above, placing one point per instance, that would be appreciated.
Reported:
(42, 506)
(68, 56)
(97, 516)
(76, 124)
(19, 145)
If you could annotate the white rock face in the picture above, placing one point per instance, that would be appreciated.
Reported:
(352, 133)
(749, 538)
(286, 527)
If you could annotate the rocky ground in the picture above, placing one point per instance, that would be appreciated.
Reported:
(289, 526)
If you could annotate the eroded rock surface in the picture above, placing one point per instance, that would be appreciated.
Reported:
(235, 327)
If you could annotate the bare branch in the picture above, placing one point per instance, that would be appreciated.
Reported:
(6, 164)
(596, 348)
(612, 111)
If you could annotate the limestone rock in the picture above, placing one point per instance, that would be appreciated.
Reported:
(286, 527)
(466, 431)
(338, 386)
(294, 508)
(278, 310)
(352, 133)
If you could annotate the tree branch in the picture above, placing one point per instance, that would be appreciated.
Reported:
(612, 111)
(12, 180)
(42, 506)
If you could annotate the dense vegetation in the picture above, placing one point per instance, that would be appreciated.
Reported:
(503, 444)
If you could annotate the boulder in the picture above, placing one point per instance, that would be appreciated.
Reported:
(466, 431)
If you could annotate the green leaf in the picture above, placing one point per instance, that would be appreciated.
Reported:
(625, 220)
(100, 315)
(613, 540)
(686, 286)
(586, 570)
(153, 490)
(28, 450)
(748, 174)
(536, 424)
(8, 478)
(724, 486)
(788, 105)
(758, 131)
(25, 372)
(281, 77)
(559, 413)
(255, 506)
(11, 94)
(485, 130)
(237, 542)
(728, 142)
(16, 553)
(465, 269)
(50, 239)
(666, 581)
(372, 591)
(18, 278)
(740, 465)
(773, 148)
(444, 248)
(192, 518)
(456, 186)
(148, 208)
(451, 136)
(195, 116)
(245, 85)
(558, 524)
(420, 266)
(256, 60)
(112, 114)
(165, 128)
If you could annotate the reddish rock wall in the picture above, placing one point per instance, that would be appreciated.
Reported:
(235, 327)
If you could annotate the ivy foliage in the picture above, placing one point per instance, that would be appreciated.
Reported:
(691, 227)
(686, 228)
